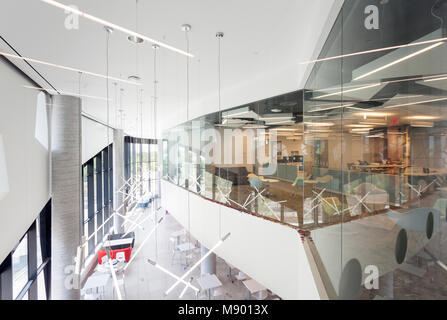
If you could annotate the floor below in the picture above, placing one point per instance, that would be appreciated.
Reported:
(143, 281)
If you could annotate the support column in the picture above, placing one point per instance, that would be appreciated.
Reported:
(66, 194)
(209, 264)
(118, 177)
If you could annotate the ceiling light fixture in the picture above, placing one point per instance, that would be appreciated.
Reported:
(373, 114)
(254, 127)
(366, 130)
(66, 93)
(235, 114)
(283, 129)
(422, 117)
(280, 122)
(188, 284)
(136, 40)
(374, 123)
(68, 68)
(276, 110)
(376, 50)
(399, 60)
(349, 90)
(181, 279)
(430, 79)
(319, 124)
(358, 126)
(274, 118)
(415, 103)
(114, 26)
(423, 124)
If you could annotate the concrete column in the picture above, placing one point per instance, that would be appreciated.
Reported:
(66, 194)
(118, 177)
(209, 264)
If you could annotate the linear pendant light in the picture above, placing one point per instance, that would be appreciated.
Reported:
(349, 90)
(114, 26)
(188, 284)
(181, 279)
(13, 56)
(65, 92)
(400, 60)
(375, 50)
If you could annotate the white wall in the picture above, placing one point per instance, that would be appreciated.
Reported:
(269, 252)
(94, 138)
(24, 140)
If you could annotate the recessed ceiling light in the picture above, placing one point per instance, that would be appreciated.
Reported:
(135, 39)
(134, 78)
(275, 110)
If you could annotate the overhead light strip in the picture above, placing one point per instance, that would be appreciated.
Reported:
(350, 106)
(400, 60)
(115, 27)
(13, 56)
(347, 91)
(415, 103)
(375, 50)
(197, 263)
(66, 93)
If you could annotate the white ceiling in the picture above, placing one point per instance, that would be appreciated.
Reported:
(264, 43)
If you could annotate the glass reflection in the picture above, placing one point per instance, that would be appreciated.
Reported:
(375, 134)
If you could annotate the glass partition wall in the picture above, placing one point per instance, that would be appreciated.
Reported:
(249, 158)
(375, 136)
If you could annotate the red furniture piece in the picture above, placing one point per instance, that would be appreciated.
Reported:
(127, 253)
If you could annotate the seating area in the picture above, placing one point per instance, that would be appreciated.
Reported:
(177, 250)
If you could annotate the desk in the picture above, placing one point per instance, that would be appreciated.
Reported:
(253, 286)
(186, 247)
(95, 281)
(208, 282)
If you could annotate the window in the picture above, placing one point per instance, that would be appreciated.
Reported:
(26, 273)
(97, 198)
(141, 162)
(20, 266)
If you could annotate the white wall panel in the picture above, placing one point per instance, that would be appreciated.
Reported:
(94, 138)
(269, 252)
(25, 158)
